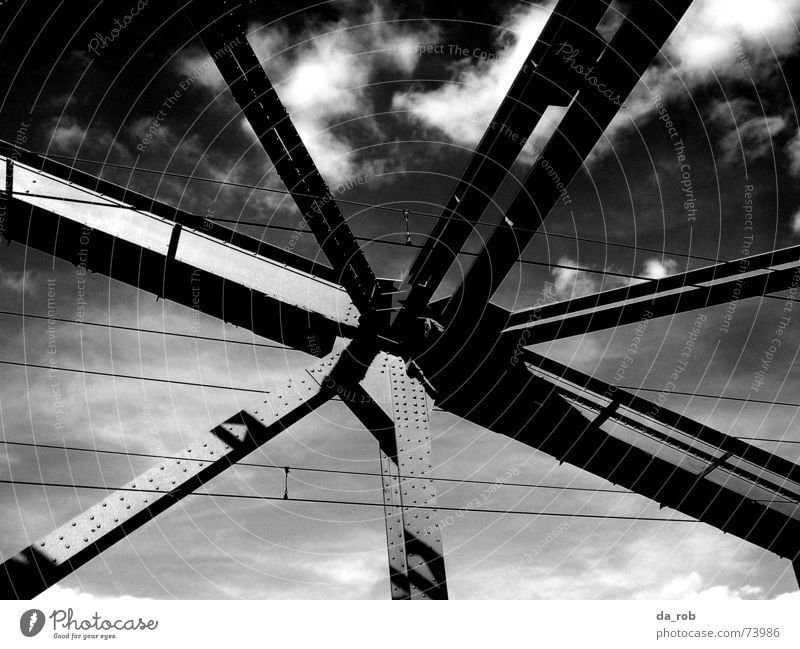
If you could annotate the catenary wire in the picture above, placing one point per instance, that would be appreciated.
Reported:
(459, 481)
(260, 391)
(388, 208)
(440, 508)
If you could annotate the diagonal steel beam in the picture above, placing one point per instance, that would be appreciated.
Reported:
(395, 408)
(56, 555)
(660, 454)
(689, 429)
(226, 41)
(544, 80)
(723, 283)
(514, 402)
(104, 228)
(641, 35)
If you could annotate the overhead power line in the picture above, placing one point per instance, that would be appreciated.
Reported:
(217, 386)
(701, 395)
(524, 262)
(101, 451)
(528, 262)
(357, 503)
(466, 253)
(302, 469)
(383, 207)
(176, 334)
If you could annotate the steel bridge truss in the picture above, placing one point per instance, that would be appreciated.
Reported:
(390, 363)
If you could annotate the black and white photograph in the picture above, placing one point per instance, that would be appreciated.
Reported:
(423, 300)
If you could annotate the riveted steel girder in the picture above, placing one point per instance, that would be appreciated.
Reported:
(722, 283)
(644, 30)
(56, 555)
(226, 41)
(544, 80)
(396, 411)
(174, 255)
(747, 493)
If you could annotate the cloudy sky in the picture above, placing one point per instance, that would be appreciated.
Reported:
(367, 103)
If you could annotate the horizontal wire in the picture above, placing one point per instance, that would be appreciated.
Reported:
(352, 502)
(100, 451)
(465, 253)
(702, 395)
(384, 207)
(309, 469)
(176, 334)
(461, 253)
(244, 389)
(528, 262)
(152, 379)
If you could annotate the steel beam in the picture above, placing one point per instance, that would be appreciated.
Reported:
(395, 409)
(484, 382)
(779, 270)
(544, 80)
(56, 555)
(641, 35)
(526, 408)
(174, 255)
(786, 470)
(226, 41)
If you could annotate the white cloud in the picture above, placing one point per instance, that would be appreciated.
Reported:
(658, 268)
(749, 132)
(60, 596)
(716, 40)
(690, 587)
(717, 35)
(18, 281)
(796, 223)
(323, 76)
(752, 139)
(462, 109)
(572, 283)
(794, 596)
(68, 135)
(793, 153)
